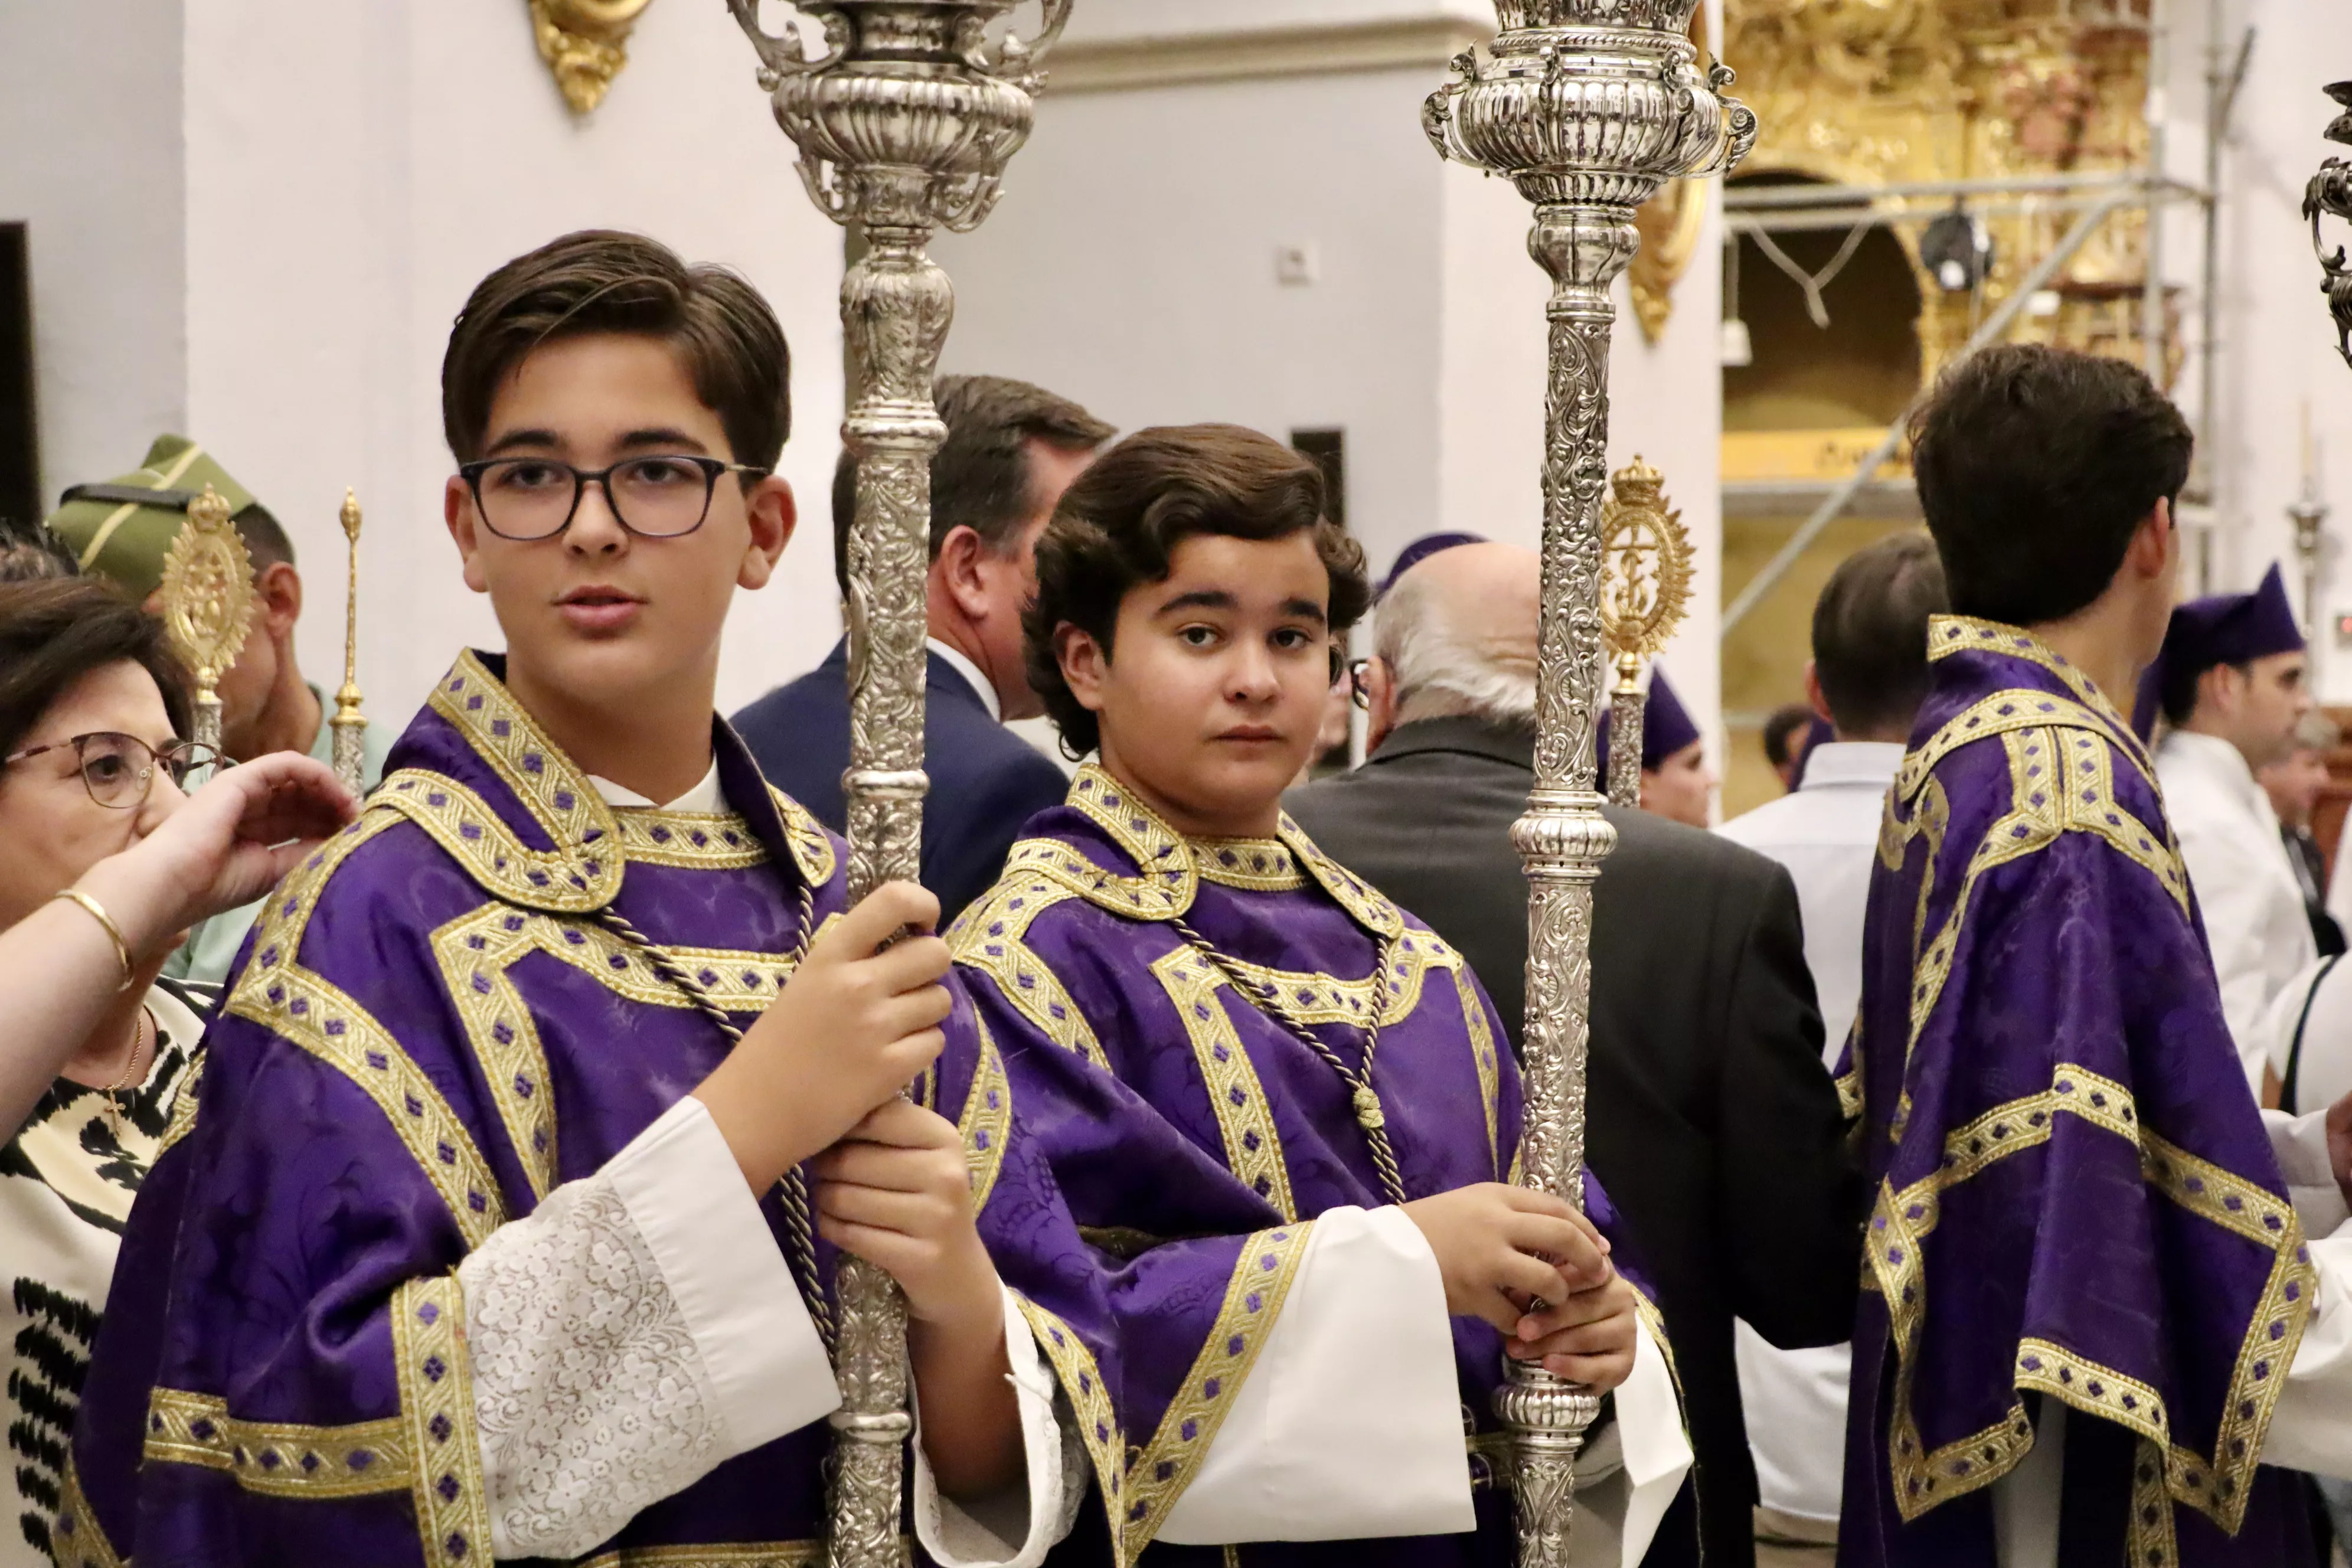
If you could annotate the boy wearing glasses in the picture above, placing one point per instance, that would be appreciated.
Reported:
(500, 1230)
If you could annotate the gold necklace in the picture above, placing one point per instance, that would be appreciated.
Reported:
(115, 1090)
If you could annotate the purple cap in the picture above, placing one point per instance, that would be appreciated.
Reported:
(2223, 628)
(1421, 549)
(1666, 726)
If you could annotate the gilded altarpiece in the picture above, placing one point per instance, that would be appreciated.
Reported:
(1867, 92)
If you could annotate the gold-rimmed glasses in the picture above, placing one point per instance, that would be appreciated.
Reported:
(118, 770)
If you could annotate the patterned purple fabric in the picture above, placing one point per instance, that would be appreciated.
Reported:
(2075, 1197)
(429, 1031)
(1192, 1139)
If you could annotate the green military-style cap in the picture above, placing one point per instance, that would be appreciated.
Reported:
(120, 530)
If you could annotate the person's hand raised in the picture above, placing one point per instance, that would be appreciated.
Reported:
(245, 828)
(855, 1024)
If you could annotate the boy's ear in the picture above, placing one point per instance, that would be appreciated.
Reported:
(279, 589)
(773, 512)
(2157, 541)
(457, 511)
(1085, 666)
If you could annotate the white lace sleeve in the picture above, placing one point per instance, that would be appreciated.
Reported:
(634, 1332)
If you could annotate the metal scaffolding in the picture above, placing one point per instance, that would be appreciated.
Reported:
(2096, 197)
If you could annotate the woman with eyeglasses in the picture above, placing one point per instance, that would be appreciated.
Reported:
(103, 862)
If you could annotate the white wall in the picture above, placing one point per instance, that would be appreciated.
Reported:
(90, 156)
(351, 172)
(2278, 348)
(1131, 266)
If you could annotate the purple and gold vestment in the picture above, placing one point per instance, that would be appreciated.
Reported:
(1192, 1138)
(2076, 1200)
(430, 1032)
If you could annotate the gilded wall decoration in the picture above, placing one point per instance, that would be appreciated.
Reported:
(1894, 92)
(584, 43)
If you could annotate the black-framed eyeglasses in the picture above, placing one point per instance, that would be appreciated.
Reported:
(1360, 689)
(659, 496)
(119, 769)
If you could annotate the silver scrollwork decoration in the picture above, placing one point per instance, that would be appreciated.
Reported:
(905, 118)
(2330, 193)
(1588, 107)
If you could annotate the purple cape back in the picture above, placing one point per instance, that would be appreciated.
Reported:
(2076, 1200)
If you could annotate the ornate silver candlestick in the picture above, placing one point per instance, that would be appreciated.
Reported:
(1588, 107)
(2330, 191)
(904, 121)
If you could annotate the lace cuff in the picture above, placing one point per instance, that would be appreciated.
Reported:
(1016, 1528)
(634, 1332)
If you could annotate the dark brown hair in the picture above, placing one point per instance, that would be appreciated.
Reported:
(981, 479)
(55, 631)
(1118, 526)
(1870, 634)
(2035, 468)
(601, 281)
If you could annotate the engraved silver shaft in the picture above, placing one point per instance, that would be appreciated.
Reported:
(904, 119)
(1587, 106)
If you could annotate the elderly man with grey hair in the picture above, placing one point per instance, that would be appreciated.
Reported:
(1711, 1118)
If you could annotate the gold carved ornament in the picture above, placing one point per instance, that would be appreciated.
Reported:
(584, 43)
(1645, 593)
(350, 725)
(1670, 224)
(207, 592)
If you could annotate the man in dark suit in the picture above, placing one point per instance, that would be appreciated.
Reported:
(1710, 1118)
(1011, 449)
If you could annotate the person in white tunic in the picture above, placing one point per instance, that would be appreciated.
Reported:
(1867, 676)
(2230, 684)
(102, 863)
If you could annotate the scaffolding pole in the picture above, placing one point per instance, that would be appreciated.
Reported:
(1840, 498)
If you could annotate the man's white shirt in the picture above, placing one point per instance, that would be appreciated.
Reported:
(1826, 834)
(2255, 919)
(640, 1328)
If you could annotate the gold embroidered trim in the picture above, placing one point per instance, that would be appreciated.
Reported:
(553, 790)
(2001, 713)
(1261, 1280)
(1169, 868)
(322, 1020)
(2092, 807)
(2054, 1370)
(494, 857)
(1487, 1060)
(78, 1541)
(476, 954)
(1244, 1118)
(1253, 865)
(436, 1411)
(1313, 998)
(184, 1108)
(1646, 1311)
(1082, 1384)
(988, 937)
(806, 836)
(987, 1119)
(1949, 635)
(702, 841)
(1901, 1222)
(276, 1458)
(2149, 1541)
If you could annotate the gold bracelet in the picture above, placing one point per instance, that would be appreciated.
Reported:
(106, 921)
